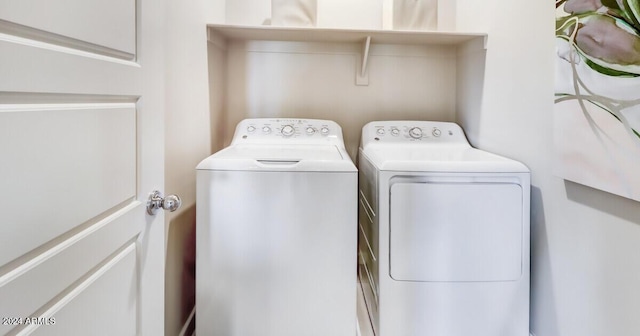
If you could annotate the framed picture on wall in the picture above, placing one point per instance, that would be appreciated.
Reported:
(597, 94)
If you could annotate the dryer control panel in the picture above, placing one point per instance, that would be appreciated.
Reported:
(419, 132)
(287, 131)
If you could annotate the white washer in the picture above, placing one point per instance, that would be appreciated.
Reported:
(277, 232)
(444, 233)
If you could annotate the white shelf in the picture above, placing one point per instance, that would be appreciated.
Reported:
(217, 32)
(271, 33)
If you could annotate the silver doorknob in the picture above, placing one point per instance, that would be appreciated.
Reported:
(157, 201)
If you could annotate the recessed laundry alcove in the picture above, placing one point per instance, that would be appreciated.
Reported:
(349, 76)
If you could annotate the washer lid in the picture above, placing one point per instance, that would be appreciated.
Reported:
(439, 158)
(279, 157)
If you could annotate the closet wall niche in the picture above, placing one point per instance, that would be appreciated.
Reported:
(352, 75)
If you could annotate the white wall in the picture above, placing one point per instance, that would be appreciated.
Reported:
(318, 82)
(188, 132)
(585, 243)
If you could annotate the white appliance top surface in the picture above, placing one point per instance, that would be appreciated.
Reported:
(275, 152)
(428, 146)
(283, 145)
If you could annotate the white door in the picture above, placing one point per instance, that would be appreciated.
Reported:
(81, 148)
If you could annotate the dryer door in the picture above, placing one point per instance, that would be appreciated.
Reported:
(456, 231)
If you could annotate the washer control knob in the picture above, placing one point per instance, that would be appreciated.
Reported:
(325, 131)
(380, 131)
(395, 131)
(288, 130)
(436, 132)
(266, 129)
(415, 133)
(311, 130)
(251, 129)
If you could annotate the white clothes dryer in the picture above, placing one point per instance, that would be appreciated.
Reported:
(444, 233)
(277, 230)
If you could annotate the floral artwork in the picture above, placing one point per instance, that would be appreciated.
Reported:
(597, 104)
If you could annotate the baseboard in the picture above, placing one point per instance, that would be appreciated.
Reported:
(185, 327)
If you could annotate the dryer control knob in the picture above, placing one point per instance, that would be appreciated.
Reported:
(251, 129)
(415, 133)
(266, 129)
(311, 130)
(288, 130)
(436, 132)
(395, 131)
(325, 131)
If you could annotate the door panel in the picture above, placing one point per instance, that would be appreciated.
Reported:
(83, 250)
(107, 23)
(81, 142)
(110, 293)
(60, 157)
(41, 68)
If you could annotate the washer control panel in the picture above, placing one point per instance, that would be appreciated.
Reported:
(287, 130)
(405, 131)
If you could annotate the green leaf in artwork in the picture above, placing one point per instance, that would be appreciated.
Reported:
(608, 71)
(632, 12)
(613, 4)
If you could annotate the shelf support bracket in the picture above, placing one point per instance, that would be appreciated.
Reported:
(362, 71)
